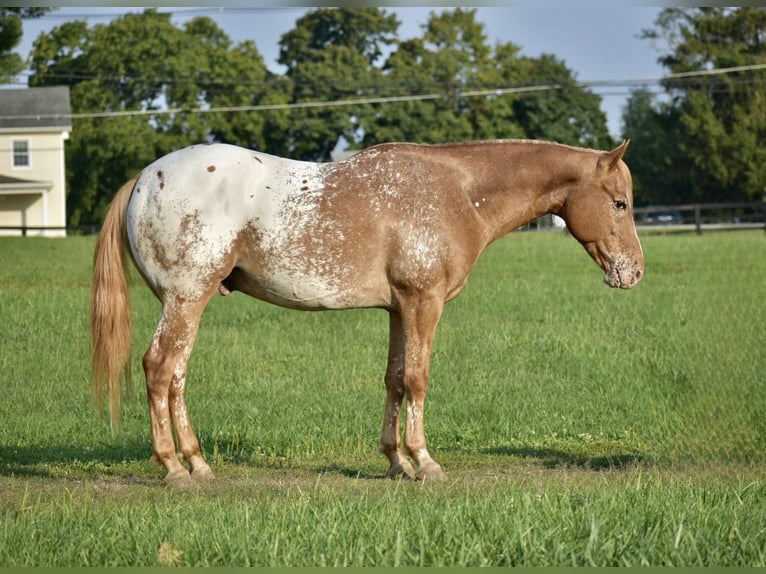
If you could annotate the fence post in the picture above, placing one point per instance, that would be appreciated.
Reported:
(697, 219)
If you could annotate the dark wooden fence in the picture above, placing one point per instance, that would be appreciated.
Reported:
(698, 217)
(38, 229)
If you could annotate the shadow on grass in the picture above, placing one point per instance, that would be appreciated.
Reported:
(48, 460)
(105, 459)
(348, 472)
(555, 458)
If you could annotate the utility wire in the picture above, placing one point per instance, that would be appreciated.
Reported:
(75, 75)
(177, 12)
(385, 99)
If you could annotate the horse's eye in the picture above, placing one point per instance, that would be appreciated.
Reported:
(621, 205)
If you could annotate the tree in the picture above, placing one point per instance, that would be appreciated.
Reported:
(330, 55)
(453, 59)
(659, 167)
(10, 35)
(144, 63)
(443, 62)
(721, 117)
(567, 113)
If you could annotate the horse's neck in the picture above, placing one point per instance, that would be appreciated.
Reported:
(522, 182)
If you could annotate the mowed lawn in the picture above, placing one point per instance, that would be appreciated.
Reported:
(578, 425)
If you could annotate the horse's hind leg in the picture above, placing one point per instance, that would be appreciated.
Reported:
(165, 367)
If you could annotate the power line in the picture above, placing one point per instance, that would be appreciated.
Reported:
(386, 99)
(76, 75)
(179, 12)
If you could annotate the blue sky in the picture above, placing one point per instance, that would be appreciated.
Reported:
(598, 41)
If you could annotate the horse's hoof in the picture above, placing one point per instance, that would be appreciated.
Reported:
(401, 471)
(431, 472)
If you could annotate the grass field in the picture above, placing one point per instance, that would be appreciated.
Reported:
(578, 425)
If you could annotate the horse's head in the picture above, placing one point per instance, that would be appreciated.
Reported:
(599, 214)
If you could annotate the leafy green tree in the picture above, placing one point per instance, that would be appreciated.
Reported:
(11, 31)
(255, 86)
(495, 116)
(567, 113)
(721, 116)
(330, 55)
(453, 59)
(659, 167)
(102, 153)
(144, 63)
(444, 61)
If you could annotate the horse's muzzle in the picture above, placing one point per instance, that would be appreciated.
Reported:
(623, 273)
(620, 270)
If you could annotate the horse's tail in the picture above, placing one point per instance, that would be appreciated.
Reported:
(110, 322)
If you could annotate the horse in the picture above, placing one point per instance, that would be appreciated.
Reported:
(397, 226)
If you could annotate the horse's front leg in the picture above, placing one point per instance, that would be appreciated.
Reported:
(420, 328)
(414, 331)
(390, 444)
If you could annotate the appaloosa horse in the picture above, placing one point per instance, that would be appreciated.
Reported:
(397, 226)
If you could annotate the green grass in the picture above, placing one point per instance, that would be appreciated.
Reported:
(577, 424)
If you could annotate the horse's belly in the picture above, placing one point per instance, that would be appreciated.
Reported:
(286, 285)
(305, 254)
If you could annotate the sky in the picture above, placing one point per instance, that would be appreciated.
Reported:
(598, 41)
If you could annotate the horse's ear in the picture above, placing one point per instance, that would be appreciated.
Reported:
(610, 159)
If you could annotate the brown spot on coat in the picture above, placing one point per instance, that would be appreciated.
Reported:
(256, 158)
(211, 168)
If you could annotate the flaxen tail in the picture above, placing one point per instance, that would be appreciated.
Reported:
(110, 321)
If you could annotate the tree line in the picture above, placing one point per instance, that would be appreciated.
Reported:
(702, 140)
(699, 141)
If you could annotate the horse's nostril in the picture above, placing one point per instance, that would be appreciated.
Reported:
(638, 275)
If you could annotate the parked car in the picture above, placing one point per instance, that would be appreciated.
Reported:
(662, 217)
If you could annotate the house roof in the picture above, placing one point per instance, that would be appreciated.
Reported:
(35, 108)
(16, 186)
(8, 180)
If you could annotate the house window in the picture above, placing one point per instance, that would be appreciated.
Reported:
(21, 157)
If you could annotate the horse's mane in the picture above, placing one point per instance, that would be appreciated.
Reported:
(513, 141)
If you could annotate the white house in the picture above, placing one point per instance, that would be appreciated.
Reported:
(34, 124)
